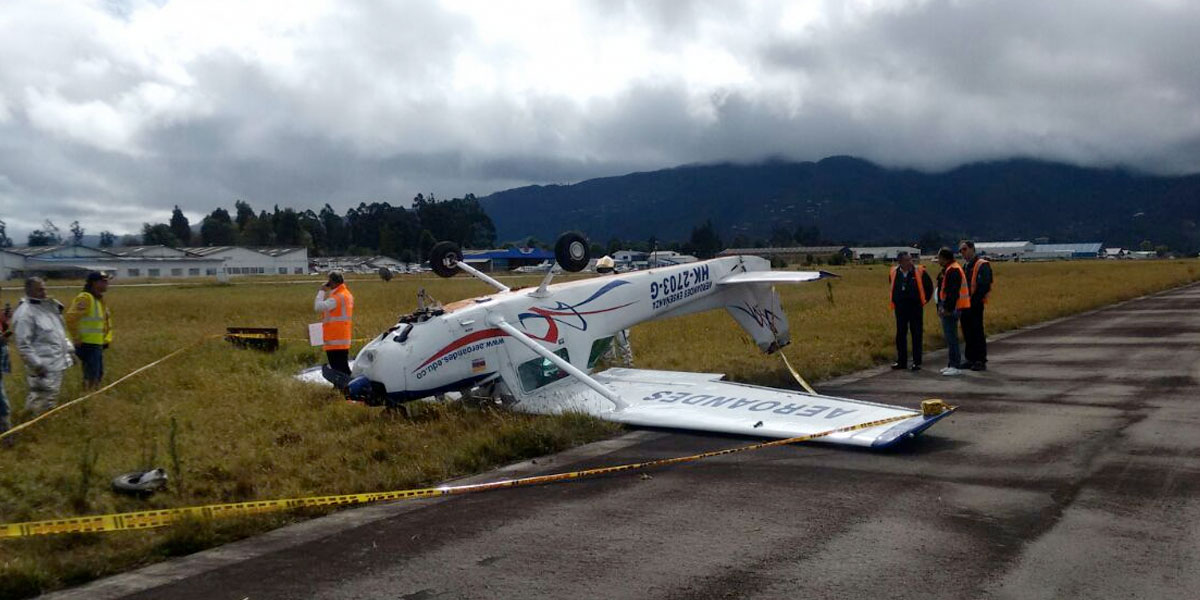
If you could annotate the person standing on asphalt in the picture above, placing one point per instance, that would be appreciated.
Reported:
(336, 305)
(979, 281)
(43, 345)
(90, 327)
(952, 298)
(911, 288)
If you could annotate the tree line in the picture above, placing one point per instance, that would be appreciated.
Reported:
(406, 234)
(403, 233)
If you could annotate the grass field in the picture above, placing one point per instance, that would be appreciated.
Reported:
(231, 425)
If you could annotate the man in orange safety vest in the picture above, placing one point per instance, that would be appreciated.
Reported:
(953, 297)
(910, 288)
(336, 305)
(979, 281)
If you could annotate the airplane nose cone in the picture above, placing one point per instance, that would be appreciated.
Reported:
(359, 388)
(379, 371)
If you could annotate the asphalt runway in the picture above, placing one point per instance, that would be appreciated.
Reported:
(1071, 471)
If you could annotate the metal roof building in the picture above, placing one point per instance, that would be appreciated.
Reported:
(357, 264)
(884, 252)
(1064, 251)
(506, 259)
(241, 260)
(1004, 250)
(75, 261)
(792, 251)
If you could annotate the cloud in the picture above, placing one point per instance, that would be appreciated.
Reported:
(147, 104)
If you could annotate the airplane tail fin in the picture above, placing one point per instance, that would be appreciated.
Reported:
(752, 301)
(756, 307)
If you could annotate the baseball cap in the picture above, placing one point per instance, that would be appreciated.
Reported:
(97, 276)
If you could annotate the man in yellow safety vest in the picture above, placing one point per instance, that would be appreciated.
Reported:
(336, 305)
(90, 326)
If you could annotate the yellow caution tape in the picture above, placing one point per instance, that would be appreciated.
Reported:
(269, 336)
(148, 519)
(292, 339)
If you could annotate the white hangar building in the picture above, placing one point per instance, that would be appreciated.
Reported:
(1004, 250)
(357, 264)
(239, 260)
(73, 262)
(884, 252)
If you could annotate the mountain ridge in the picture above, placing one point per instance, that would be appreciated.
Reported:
(851, 200)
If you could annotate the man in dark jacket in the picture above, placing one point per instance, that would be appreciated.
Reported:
(911, 288)
(979, 281)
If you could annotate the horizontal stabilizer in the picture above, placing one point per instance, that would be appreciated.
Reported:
(775, 277)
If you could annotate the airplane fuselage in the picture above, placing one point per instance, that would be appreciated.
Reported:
(462, 347)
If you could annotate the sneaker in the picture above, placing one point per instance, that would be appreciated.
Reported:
(978, 366)
(915, 367)
(951, 371)
(897, 366)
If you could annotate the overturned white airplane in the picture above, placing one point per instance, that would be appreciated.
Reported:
(534, 350)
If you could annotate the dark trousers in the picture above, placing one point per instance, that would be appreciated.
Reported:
(339, 360)
(909, 318)
(92, 358)
(974, 338)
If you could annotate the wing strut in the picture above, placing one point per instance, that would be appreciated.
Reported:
(517, 334)
(477, 273)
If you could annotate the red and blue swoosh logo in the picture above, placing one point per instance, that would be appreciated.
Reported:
(569, 315)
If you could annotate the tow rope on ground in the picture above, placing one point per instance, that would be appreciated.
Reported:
(144, 367)
(796, 374)
(149, 519)
(65, 405)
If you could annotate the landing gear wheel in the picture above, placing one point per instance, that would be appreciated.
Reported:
(571, 251)
(140, 483)
(443, 259)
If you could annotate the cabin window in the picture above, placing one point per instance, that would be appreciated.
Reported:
(599, 349)
(540, 371)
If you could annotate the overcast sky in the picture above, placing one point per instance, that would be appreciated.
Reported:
(113, 111)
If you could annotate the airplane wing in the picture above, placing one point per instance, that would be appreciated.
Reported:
(701, 401)
(775, 277)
